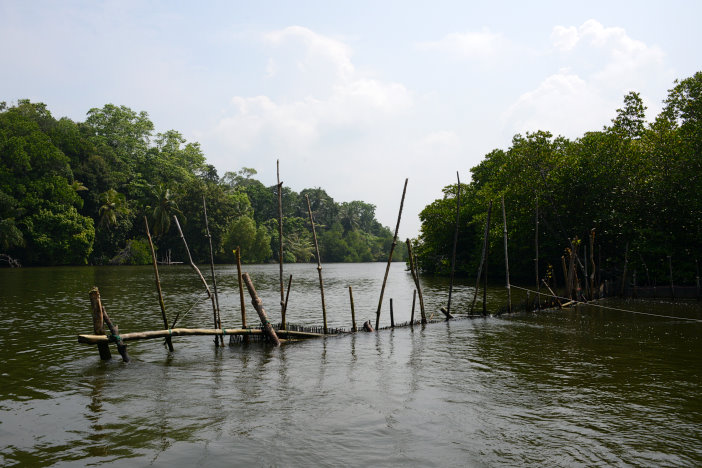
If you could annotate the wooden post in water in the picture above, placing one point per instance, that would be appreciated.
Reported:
(98, 323)
(319, 263)
(455, 240)
(392, 315)
(414, 269)
(536, 260)
(670, 268)
(353, 311)
(158, 285)
(414, 301)
(218, 317)
(483, 259)
(258, 305)
(280, 240)
(509, 287)
(392, 249)
(97, 305)
(241, 287)
(566, 277)
(199, 274)
(287, 295)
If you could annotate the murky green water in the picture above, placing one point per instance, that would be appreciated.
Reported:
(586, 386)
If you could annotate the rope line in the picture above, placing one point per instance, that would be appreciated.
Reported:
(613, 308)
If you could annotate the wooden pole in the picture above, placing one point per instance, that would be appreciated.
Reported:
(482, 258)
(566, 277)
(218, 317)
(560, 306)
(114, 330)
(241, 287)
(414, 269)
(258, 305)
(287, 296)
(155, 334)
(353, 311)
(158, 285)
(319, 264)
(455, 240)
(197, 271)
(280, 240)
(392, 249)
(98, 323)
(392, 315)
(414, 301)
(485, 281)
(509, 287)
(536, 260)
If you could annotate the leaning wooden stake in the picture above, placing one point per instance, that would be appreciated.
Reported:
(536, 260)
(218, 317)
(319, 264)
(353, 311)
(455, 240)
(392, 249)
(560, 306)
(258, 305)
(414, 301)
(97, 303)
(483, 258)
(287, 296)
(414, 269)
(199, 274)
(158, 285)
(509, 288)
(98, 323)
(280, 240)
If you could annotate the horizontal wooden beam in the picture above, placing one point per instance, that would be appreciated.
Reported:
(150, 335)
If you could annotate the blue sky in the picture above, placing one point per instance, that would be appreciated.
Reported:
(351, 96)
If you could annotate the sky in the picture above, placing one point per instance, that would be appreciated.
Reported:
(355, 96)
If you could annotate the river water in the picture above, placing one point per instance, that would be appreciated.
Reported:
(587, 386)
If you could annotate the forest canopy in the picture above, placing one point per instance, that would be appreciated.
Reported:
(74, 193)
(637, 184)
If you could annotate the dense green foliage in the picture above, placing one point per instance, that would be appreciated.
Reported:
(77, 193)
(636, 184)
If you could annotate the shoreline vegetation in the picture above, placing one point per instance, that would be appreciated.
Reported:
(73, 193)
(633, 186)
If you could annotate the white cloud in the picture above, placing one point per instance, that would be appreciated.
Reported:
(482, 44)
(564, 38)
(600, 65)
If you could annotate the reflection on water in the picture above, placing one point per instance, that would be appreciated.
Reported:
(586, 386)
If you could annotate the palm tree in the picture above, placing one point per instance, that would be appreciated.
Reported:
(164, 208)
(113, 204)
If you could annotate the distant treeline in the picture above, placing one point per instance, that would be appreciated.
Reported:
(74, 193)
(637, 184)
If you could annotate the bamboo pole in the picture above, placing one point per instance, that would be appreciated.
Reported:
(218, 317)
(241, 287)
(392, 249)
(98, 323)
(280, 239)
(509, 287)
(197, 271)
(258, 305)
(414, 301)
(319, 264)
(536, 260)
(392, 315)
(353, 311)
(287, 296)
(414, 269)
(158, 285)
(155, 334)
(482, 258)
(455, 240)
